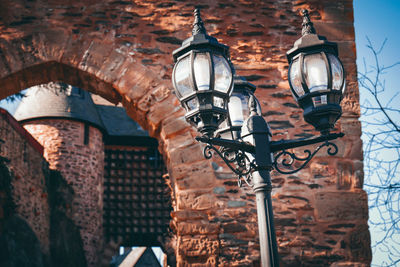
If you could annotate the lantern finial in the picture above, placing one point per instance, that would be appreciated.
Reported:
(308, 26)
(253, 106)
(198, 26)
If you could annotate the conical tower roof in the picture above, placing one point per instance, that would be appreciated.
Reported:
(58, 100)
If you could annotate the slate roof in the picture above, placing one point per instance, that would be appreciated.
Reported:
(59, 100)
(118, 123)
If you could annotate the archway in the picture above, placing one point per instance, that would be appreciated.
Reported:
(154, 107)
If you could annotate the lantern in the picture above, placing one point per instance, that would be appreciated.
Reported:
(238, 108)
(316, 77)
(203, 78)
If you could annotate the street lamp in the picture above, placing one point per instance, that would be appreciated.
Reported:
(316, 77)
(231, 122)
(202, 78)
(238, 109)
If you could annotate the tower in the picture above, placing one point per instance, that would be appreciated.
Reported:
(65, 121)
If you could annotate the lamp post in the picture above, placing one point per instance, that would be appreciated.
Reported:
(230, 121)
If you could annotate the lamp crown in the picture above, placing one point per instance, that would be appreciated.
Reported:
(253, 106)
(198, 25)
(308, 26)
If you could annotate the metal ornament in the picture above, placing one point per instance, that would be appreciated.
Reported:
(198, 25)
(308, 26)
(288, 159)
(233, 153)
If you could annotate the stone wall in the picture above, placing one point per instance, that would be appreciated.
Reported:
(121, 50)
(83, 168)
(35, 228)
(24, 158)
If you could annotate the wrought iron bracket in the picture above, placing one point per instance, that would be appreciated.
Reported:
(231, 145)
(287, 144)
(237, 161)
(288, 159)
(233, 153)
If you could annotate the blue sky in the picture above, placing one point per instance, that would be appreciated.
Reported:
(379, 20)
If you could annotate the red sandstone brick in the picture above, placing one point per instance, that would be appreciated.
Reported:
(189, 154)
(173, 125)
(335, 31)
(184, 215)
(28, 184)
(333, 13)
(160, 110)
(50, 44)
(75, 50)
(195, 200)
(136, 81)
(343, 206)
(161, 92)
(12, 56)
(197, 228)
(10, 86)
(201, 179)
(347, 52)
(63, 143)
(114, 66)
(95, 56)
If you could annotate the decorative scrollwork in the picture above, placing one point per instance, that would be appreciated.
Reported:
(246, 179)
(231, 158)
(288, 159)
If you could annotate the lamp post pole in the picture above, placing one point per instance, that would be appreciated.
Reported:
(255, 131)
(268, 247)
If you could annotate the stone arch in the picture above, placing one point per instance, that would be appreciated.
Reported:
(100, 69)
(123, 47)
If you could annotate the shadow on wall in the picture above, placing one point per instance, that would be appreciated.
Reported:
(66, 246)
(19, 246)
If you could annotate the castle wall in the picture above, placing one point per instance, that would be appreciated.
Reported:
(24, 158)
(83, 168)
(122, 50)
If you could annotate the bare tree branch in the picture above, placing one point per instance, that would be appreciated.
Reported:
(381, 136)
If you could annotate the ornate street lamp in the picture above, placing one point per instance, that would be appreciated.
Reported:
(316, 77)
(202, 79)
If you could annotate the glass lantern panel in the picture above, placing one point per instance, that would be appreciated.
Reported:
(225, 131)
(218, 102)
(192, 104)
(320, 100)
(236, 110)
(182, 77)
(202, 71)
(224, 124)
(226, 134)
(337, 72)
(344, 86)
(315, 72)
(223, 74)
(295, 78)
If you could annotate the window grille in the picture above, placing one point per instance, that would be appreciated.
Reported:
(136, 197)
